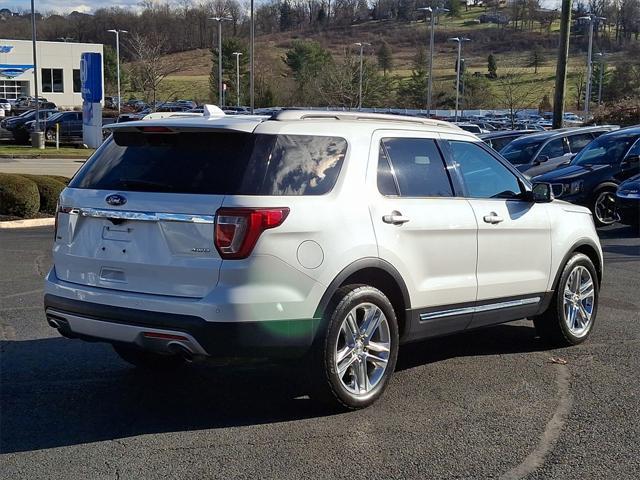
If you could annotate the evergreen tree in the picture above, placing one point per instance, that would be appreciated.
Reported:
(492, 66)
(385, 60)
(536, 58)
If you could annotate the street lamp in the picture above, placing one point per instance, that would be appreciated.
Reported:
(592, 19)
(237, 55)
(434, 12)
(459, 40)
(220, 20)
(35, 139)
(117, 33)
(601, 55)
(361, 45)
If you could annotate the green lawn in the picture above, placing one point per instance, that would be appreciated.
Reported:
(49, 151)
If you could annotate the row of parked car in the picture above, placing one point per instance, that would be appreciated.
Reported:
(598, 167)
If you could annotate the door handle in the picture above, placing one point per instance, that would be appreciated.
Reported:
(395, 218)
(492, 218)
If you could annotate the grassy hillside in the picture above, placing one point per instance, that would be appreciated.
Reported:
(512, 50)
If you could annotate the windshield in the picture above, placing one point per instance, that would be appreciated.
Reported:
(521, 151)
(55, 117)
(605, 150)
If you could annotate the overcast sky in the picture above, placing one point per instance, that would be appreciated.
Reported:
(88, 6)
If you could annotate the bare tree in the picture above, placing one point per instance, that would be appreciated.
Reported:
(514, 94)
(150, 63)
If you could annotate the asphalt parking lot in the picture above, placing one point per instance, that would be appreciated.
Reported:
(487, 404)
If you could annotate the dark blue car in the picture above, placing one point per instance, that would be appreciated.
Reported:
(628, 202)
(593, 176)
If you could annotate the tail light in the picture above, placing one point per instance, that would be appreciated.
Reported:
(237, 229)
(59, 210)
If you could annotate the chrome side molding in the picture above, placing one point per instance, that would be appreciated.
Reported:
(479, 308)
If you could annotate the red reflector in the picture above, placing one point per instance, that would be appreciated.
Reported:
(164, 336)
(155, 129)
(238, 229)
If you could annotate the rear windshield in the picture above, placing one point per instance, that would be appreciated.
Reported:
(215, 164)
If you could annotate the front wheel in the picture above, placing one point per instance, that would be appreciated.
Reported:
(572, 313)
(50, 134)
(604, 208)
(357, 353)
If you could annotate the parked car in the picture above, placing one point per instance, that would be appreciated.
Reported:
(628, 202)
(593, 176)
(332, 236)
(471, 127)
(5, 105)
(17, 125)
(498, 140)
(69, 125)
(189, 104)
(29, 103)
(560, 145)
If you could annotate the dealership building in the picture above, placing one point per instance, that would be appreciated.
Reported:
(58, 70)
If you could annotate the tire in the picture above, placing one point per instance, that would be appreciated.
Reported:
(563, 323)
(604, 207)
(147, 360)
(360, 377)
(50, 135)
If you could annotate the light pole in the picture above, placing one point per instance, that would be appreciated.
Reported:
(592, 19)
(237, 55)
(117, 33)
(434, 12)
(459, 40)
(361, 45)
(252, 53)
(35, 140)
(220, 20)
(601, 55)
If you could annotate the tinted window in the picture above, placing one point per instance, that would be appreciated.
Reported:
(578, 142)
(484, 176)
(555, 148)
(604, 150)
(500, 142)
(77, 83)
(521, 151)
(215, 163)
(418, 167)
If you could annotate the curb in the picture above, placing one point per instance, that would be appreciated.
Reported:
(43, 157)
(33, 222)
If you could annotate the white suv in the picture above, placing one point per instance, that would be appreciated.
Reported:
(330, 236)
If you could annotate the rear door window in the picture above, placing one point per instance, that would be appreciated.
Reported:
(555, 148)
(412, 167)
(215, 163)
(578, 142)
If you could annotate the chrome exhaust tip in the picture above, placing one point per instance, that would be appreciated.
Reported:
(53, 323)
(181, 350)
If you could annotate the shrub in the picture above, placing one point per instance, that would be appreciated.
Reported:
(18, 196)
(59, 178)
(49, 189)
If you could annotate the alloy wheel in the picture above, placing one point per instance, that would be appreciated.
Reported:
(605, 208)
(363, 348)
(579, 300)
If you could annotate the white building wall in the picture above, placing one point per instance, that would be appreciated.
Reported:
(54, 55)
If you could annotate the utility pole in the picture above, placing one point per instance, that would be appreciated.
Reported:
(118, 32)
(561, 68)
(220, 92)
(601, 55)
(361, 45)
(237, 55)
(459, 41)
(35, 140)
(592, 19)
(434, 12)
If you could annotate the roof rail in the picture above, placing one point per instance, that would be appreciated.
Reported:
(285, 115)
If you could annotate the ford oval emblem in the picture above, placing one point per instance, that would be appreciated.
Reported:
(116, 200)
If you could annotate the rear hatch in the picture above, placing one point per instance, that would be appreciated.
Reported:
(139, 216)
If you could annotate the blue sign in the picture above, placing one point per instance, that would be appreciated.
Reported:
(6, 48)
(91, 77)
(13, 71)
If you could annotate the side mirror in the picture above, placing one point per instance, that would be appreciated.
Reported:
(540, 159)
(541, 193)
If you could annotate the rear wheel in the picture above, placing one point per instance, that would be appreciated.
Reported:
(604, 208)
(147, 360)
(357, 353)
(572, 313)
(50, 134)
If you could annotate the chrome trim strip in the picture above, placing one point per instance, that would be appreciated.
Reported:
(479, 308)
(143, 216)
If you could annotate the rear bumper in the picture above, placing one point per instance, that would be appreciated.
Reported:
(161, 331)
